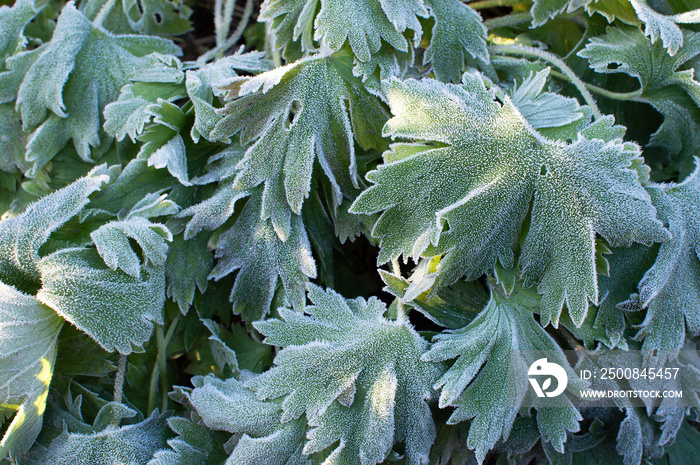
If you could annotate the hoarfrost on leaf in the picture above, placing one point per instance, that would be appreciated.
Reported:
(465, 192)
(488, 381)
(357, 376)
(28, 334)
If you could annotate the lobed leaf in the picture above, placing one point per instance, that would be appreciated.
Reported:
(113, 308)
(670, 290)
(28, 336)
(357, 376)
(465, 192)
(488, 381)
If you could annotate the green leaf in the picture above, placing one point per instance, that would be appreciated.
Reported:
(488, 381)
(13, 20)
(362, 23)
(193, 445)
(229, 406)
(67, 80)
(659, 26)
(136, 443)
(546, 109)
(28, 335)
(357, 376)
(187, 266)
(112, 242)
(465, 192)
(670, 290)
(138, 101)
(331, 105)
(113, 308)
(458, 33)
(252, 247)
(671, 90)
(21, 236)
(627, 267)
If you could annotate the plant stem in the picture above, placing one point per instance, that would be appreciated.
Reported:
(603, 92)
(522, 50)
(400, 310)
(483, 4)
(221, 48)
(103, 13)
(160, 339)
(119, 383)
(508, 20)
(223, 14)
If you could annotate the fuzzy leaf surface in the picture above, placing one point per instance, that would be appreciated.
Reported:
(229, 406)
(333, 110)
(670, 290)
(672, 90)
(458, 34)
(28, 335)
(22, 236)
(357, 376)
(112, 242)
(480, 167)
(363, 23)
(81, 70)
(131, 444)
(113, 308)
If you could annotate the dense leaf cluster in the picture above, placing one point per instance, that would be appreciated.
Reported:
(335, 231)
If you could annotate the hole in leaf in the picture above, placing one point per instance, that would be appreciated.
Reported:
(613, 65)
(543, 170)
(158, 18)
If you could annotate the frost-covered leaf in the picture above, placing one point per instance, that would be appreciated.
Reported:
(188, 265)
(13, 141)
(659, 26)
(670, 290)
(193, 445)
(357, 376)
(627, 267)
(113, 308)
(545, 109)
(137, 101)
(329, 110)
(362, 23)
(458, 33)
(488, 381)
(21, 236)
(670, 89)
(13, 20)
(173, 156)
(158, 17)
(203, 86)
(229, 406)
(28, 335)
(252, 247)
(466, 191)
(131, 444)
(66, 89)
(112, 242)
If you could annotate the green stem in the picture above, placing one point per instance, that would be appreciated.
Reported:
(508, 20)
(103, 13)
(153, 386)
(119, 383)
(220, 49)
(160, 339)
(400, 310)
(522, 50)
(223, 13)
(483, 4)
(603, 92)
